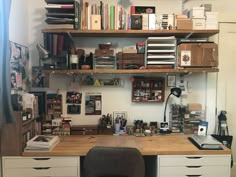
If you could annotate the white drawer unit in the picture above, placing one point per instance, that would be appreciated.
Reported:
(41, 166)
(194, 165)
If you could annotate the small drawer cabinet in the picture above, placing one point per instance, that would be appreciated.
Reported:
(41, 166)
(194, 165)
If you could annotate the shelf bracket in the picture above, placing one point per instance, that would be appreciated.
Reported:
(188, 36)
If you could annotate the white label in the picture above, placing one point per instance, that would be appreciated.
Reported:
(185, 58)
(74, 59)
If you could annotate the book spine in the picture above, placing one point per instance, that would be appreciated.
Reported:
(132, 10)
(112, 17)
(77, 15)
(55, 38)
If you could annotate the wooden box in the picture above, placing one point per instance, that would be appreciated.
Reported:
(130, 60)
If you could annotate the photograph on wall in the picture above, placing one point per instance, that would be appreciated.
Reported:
(93, 104)
(39, 79)
(73, 97)
(73, 109)
(171, 81)
(19, 65)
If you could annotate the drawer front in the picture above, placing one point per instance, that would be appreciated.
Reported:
(222, 171)
(194, 160)
(40, 172)
(40, 162)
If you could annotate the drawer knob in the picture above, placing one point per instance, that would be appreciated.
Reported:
(42, 168)
(41, 158)
(193, 157)
(193, 166)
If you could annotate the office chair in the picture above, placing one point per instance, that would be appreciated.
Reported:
(113, 162)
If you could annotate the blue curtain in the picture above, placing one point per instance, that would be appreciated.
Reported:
(6, 113)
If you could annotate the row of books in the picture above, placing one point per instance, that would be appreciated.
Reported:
(42, 143)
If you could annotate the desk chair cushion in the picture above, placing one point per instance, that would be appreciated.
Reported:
(114, 162)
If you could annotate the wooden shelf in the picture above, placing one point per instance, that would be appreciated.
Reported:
(132, 71)
(134, 33)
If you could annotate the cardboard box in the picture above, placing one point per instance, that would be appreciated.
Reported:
(199, 23)
(197, 12)
(184, 24)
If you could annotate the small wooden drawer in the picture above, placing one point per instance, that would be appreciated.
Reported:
(104, 52)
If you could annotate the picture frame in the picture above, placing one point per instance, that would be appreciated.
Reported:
(171, 80)
(119, 114)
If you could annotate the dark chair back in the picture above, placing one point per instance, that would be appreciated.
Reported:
(114, 162)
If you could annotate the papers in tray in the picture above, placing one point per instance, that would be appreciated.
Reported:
(206, 142)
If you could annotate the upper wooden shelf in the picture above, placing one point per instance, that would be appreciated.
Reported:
(134, 33)
(131, 71)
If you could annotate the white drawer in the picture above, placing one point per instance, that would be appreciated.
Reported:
(221, 171)
(180, 160)
(22, 162)
(40, 172)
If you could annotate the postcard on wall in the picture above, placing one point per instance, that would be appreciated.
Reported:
(39, 79)
(19, 64)
(93, 104)
(73, 97)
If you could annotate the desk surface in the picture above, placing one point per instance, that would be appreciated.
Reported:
(76, 145)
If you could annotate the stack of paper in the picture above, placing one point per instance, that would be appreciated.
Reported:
(42, 143)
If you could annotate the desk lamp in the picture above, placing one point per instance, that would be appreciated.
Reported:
(43, 53)
(164, 126)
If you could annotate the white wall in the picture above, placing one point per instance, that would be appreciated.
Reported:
(18, 23)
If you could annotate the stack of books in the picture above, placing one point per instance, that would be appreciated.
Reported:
(63, 14)
(42, 143)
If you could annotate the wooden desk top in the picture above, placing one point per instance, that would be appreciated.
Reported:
(76, 145)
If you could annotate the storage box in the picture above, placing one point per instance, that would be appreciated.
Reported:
(184, 24)
(197, 55)
(197, 12)
(199, 23)
(130, 60)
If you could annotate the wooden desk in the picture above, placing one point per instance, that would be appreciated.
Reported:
(151, 145)
(164, 155)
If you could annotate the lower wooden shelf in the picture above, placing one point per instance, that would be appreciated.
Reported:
(132, 71)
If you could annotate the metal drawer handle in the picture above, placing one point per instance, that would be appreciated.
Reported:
(42, 168)
(193, 175)
(193, 166)
(41, 158)
(193, 157)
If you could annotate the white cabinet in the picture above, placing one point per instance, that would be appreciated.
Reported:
(41, 166)
(193, 165)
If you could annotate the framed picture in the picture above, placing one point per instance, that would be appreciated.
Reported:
(119, 115)
(171, 81)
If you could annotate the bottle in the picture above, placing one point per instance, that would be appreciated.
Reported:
(74, 60)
